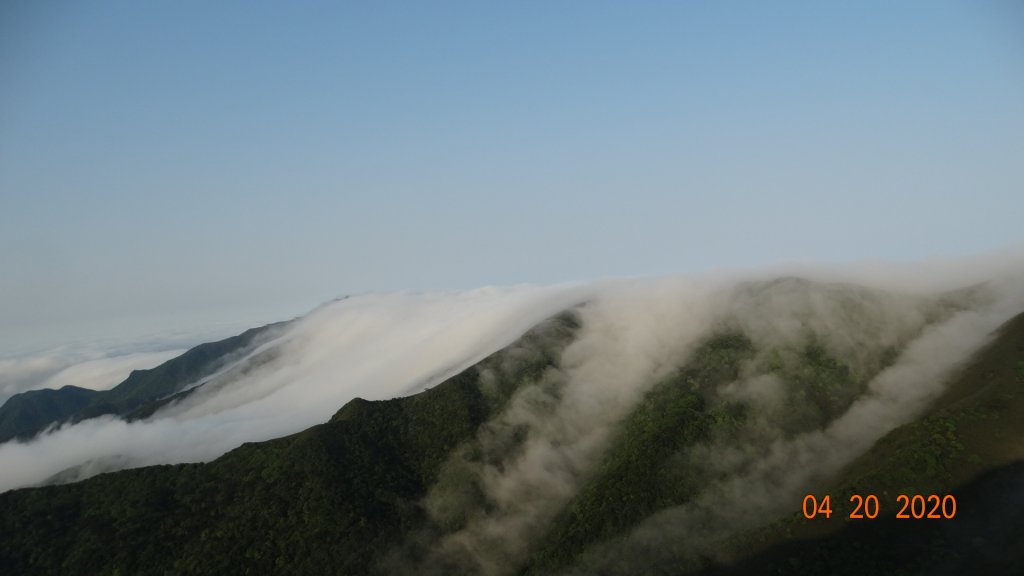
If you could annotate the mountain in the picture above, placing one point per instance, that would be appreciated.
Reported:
(968, 443)
(337, 495)
(609, 440)
(29, 413)
(25, 415)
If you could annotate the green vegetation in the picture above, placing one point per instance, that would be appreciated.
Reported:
(633, 480)
(331, 499)
(818, 388)
(985, 537)
(341, 497)
(969, 436)
(974, 427)
(660, 456)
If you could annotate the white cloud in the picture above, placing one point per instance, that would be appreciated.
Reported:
(635, 333)
(85, 368)
(385, 345)
(375, 346)
(27, 373)
(105, 373)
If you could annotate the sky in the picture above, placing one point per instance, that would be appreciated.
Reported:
(170, 166)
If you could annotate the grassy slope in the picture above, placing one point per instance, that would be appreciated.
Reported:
(330, 499)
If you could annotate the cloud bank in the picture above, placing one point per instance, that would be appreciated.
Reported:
(90, 368)
(633, 333)
(375, 347)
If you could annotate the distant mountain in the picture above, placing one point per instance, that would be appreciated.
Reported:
(507, 468)
(25, 415)
(29, 413)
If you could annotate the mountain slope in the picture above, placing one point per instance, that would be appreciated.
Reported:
(972, 440)
(688, 479)
(29, 413)
(337, 495)
(967, 442)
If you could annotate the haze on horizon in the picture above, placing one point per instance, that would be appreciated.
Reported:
(173, 167)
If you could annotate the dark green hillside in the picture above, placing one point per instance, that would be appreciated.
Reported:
(976, 426)
(27, 414)
(985, 538)
(651, 466)
(971, 437)
(325, 501)
(634, 481)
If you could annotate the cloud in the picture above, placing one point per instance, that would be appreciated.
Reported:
(104, 373)
(766, 480)
(375, 346)
(27, 373)
(83, 366)
(633, 333)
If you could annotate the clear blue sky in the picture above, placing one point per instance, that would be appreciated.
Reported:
(196, 160)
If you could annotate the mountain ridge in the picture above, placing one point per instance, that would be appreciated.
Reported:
(25, 415)
(408, 485)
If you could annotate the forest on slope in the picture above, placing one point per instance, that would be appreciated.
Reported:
(408, 485)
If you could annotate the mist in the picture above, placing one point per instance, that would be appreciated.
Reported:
(766, 480)
(633, 333)
(90, 368)
(374, 347)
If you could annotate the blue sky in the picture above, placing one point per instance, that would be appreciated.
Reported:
(170, 164)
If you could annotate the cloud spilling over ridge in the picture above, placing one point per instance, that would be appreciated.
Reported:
(634, 334)
(375, 346)
(767, 482)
